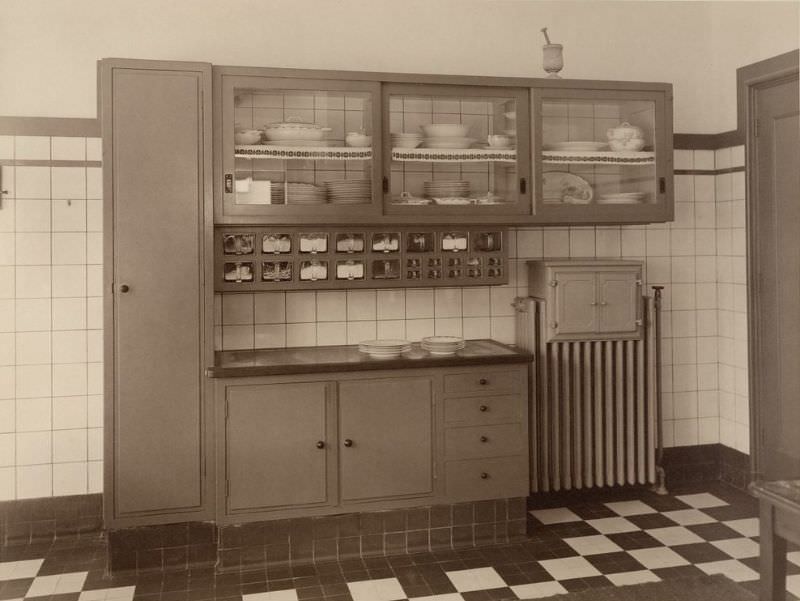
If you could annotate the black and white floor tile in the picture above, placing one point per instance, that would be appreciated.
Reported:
(622, 539)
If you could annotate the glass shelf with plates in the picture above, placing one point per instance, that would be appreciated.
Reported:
(298, 149)
(454, 150)
(600, 155)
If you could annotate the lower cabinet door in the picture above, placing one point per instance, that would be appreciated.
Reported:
(277, 446)
(385, 438)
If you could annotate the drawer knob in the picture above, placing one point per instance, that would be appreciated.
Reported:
(484, 439)
(483, 408)
(484, 476)
(124, 288)
(483, 381)
(348, 442)
(320, 444)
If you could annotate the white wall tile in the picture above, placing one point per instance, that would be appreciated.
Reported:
(391, 305)
(361, 305)
(68, 149)
(69, 346)
(237, 309)
(556, 242)
(32, 281)
(69, 412)
(69, 445)
(32, 381)
(32, 148)
(270, 335)
(447, 302)
(70, 379)
(69, 215)
(69, 248)
(32, 182)
(32, 215)
(8, 444)
(391, 329)
(33, 448)
(34, 481)
(358, 331)
(67, 313)
(33, 414)
(95, 474)
(70, 478)
(270, 307)
(331, 333)
(419, 303)
(417, 329)
(94, 149)
(332, 306)
(7, 147)
(69, 281)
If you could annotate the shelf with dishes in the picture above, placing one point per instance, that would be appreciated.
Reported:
(563, 187)
(286, 258)
(455, 155)
(311, 151)
(613, 152)
(452, 193)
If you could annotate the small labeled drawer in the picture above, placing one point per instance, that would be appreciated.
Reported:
(483, 441)
(487, 478)
(483, 381)
(482, 410)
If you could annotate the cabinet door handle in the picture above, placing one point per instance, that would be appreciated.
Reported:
(483, 408)
(593, 303)
(603, 304)
(484, 439)
(124, 288)
(523, 185)
(484, 475)
(483, 381)
(348, 442)
(320, 444)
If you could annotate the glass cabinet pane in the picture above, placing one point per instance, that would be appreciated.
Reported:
(598, 152)
(298, 147)
(454, 150)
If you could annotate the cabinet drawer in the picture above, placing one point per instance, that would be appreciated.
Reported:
(483, 441)
(473, 479)
(507, 380)
(482, 410)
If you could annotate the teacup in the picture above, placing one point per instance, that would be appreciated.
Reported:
(498, 140)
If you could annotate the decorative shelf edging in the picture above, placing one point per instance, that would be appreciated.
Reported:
(599, 157)
(310, 153)
(459, 155)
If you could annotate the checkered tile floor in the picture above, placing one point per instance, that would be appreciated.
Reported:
(600, 540)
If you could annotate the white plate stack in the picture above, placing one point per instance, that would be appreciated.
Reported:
(406, 140)
(305, 194)
(442, 345)
(384, 349)
(446, 189)
(349, 191)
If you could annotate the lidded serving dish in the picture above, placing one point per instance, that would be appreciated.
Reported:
(625, 137)
(294, 128)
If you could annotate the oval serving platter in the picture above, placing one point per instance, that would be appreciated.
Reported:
(561, 186)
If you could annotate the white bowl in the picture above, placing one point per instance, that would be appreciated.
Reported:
(358, 140)
(406, 142)
(445, 130)
(630, 145)
(247, 136)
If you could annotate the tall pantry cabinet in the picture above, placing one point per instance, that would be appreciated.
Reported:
(158, 220)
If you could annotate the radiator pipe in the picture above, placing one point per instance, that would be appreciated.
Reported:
(660, 486)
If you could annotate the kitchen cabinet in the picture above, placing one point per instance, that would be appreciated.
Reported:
(156, 125)
(589, 299)
(327, 147)
(271, 463)
(386, 425)
(323, 443)
(602, 155)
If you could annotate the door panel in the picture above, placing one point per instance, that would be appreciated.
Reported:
(575, 310)
(270, 461)
(618, 294)
(389, 422)
(157, 174)
(777, 157)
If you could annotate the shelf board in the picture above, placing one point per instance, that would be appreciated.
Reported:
(454, 155)
(599, 157)
(303, 153)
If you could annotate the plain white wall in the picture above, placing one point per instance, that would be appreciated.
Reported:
(48, 48)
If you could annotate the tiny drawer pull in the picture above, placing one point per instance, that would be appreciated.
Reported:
(484, 439)
(483, 381)
(348, 442)
(124, 288)
(320, 444)
(483, 408)
(484, 476)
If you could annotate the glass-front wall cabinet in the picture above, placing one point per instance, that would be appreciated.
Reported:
(601, 156)
(299, 149)
(455, 151)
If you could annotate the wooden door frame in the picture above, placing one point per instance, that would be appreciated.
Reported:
(748, 79)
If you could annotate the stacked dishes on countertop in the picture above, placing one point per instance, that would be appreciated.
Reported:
(442, 345)
(446, 189)
(349, 191)
(305, 194)
(406, 140)
(384, 349)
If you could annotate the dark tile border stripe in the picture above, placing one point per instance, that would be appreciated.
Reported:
(708, 171)
(707, 141)
(27, 521)
(50, 126)
(48, 163)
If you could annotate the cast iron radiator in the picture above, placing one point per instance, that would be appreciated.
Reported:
(593, 412)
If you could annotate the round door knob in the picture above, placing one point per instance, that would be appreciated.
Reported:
(484, 439)
(484, 476)
(124, 288)
(483, 408)
(348, 442)
(320, 444)
(483, 381)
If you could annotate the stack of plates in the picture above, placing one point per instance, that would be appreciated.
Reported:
(442, 345)
(305, 194)
(579, 146)
(384, 349)
(404, 140)
(621, 198)
(446, 189)
(349, 191)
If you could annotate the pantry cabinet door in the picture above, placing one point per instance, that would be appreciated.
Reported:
(157, 171)
(385, 438)
(574, 303)
(620, 301)
(277, 439)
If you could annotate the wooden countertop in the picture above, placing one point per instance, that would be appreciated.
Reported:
(322, 359)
